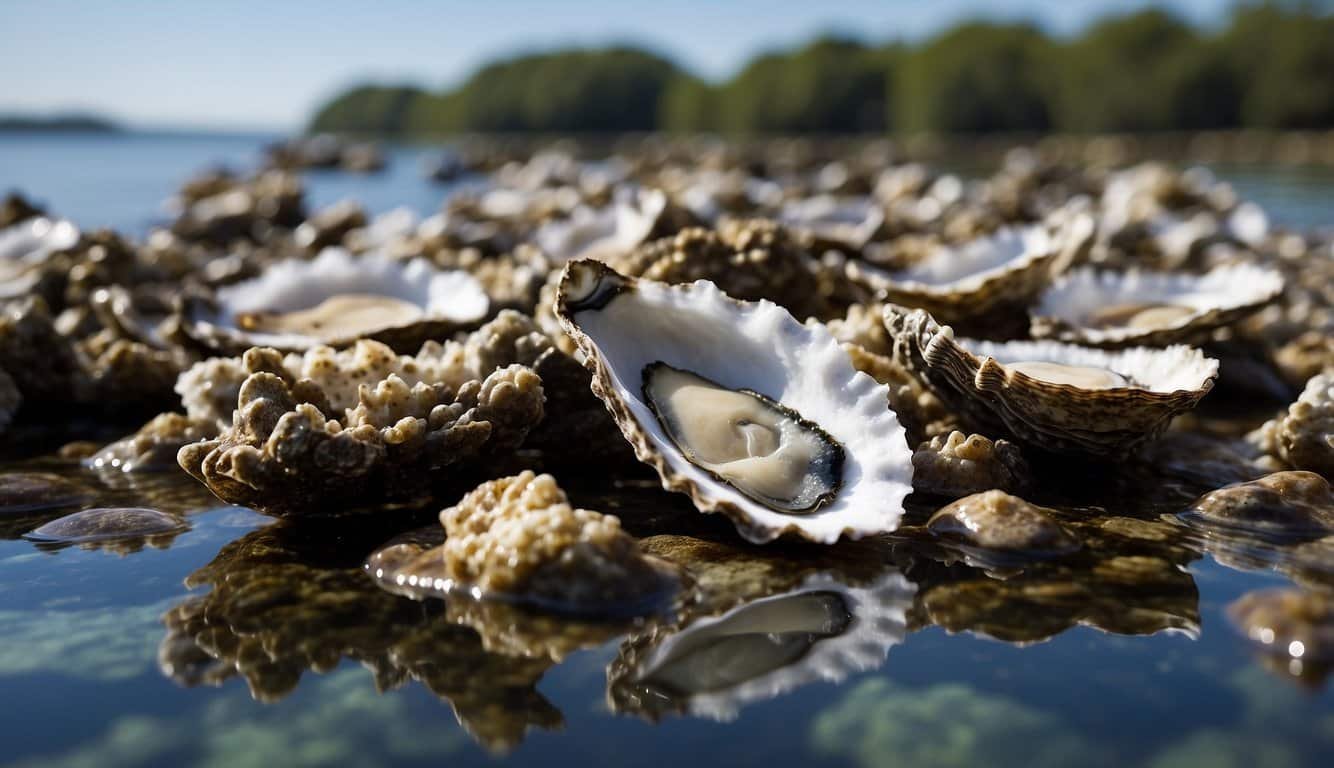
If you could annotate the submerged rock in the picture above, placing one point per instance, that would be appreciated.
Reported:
(1294, 623)
(32, 491)
(1283, 504)
(998, 521)
(956, 465)
(124, 526)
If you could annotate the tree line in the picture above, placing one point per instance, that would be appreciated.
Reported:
(1271, 66)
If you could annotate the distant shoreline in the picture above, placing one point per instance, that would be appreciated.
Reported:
(58, 124)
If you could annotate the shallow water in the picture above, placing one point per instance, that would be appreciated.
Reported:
(242, 641)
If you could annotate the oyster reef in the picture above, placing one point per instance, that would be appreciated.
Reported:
(876, 463)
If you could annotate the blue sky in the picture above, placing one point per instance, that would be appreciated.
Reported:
(247, 64)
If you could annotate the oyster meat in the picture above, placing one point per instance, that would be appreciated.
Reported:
(335, 299)
(740, 406)
(1118, 309)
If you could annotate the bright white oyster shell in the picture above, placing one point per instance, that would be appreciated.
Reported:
(1098, 402)
(603, 233)
(846, 221)
(623, 325)
(1192, 304)
(428, 303)
(1010, 266)
(877, 621)
(26, 245)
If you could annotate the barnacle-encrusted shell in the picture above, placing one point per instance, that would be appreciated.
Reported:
(1304, 436)
(1055, 397)
(334, 300)
(744, 266)
(154, 446)
(957, 465)
(624, 326)
(1118, 309)
(519, 538)
(1008, 267)
(289, 451)
(208, 389)
(51, 368)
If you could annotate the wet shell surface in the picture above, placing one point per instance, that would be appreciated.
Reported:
(1135, 307)
(737, 404)
(848, 222)
(603, 233)
(335, 299)
(821, 630)
(1054, 397)
(25, 245)
(1009, 267)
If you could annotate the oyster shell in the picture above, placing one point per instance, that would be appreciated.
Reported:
(1303, 437)
(25, 246)
(1118, 309)
(836, 222)
(807, 445)
(288, 450)
(518, 540)
(1008, 267)
(603, 233)
(335, 299)
(1054, 397)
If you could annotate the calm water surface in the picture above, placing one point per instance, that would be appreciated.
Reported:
(245, 642)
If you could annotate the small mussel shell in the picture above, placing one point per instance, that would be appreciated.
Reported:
(449, 301)
(1209, 301)
(103, 524)
(623, 325)
(1060, 418)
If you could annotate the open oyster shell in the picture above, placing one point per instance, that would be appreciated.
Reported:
(1055, 397)
(1008, 267)
(740, 406)
(1118, 309)
(335, 299)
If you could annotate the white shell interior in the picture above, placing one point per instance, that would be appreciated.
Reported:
(847, 219)
(1082, 290)
(603, 233)
(31, 240)
(759, 346)
(295, 284)
(966, 267)
(1176, 368)
(879, 622)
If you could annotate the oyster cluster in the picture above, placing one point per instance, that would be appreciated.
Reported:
(810, 346)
